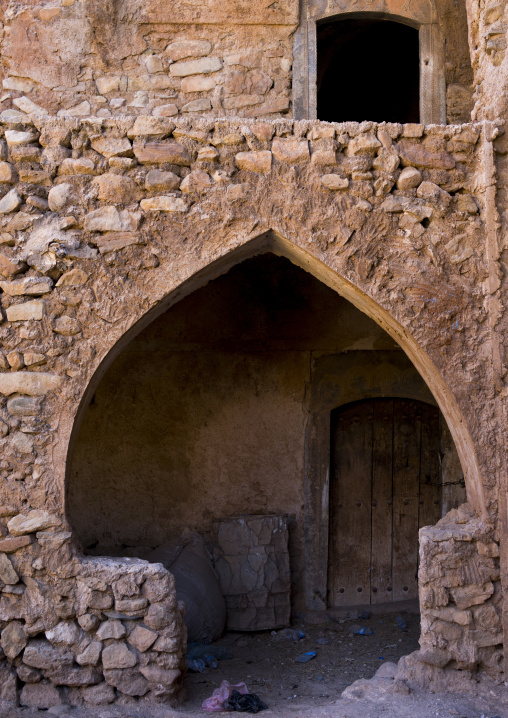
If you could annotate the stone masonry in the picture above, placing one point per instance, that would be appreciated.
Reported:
(127, 181)
(93, 210)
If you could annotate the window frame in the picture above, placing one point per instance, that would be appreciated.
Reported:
(423, 18)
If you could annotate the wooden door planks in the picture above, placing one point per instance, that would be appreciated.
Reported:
(351, 506)
(430, 472)
(385, 480)
(406, 482)
(382, 504)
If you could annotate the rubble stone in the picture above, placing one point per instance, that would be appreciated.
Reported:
(164, 204)
(116, 188)
(127, 681)
(109, 219)
(9, 267)
(291, 151)
(335, 182)
(40, 695)
(68, 326)
(158, 181)
(13, 638)
(41, 654)
(29, 383)
(14, 543)
(181, 49)
(36, 520)
(118, 655)
(254, 161)
(196, 181)
(25, 312)
(111, 146)
(29, 286)
(111, 629)
(11, 202)
(73, 278)
(157, 152)
(99, 695)
(60, 196)
(196, 67)
(7, 573)
(142, 638)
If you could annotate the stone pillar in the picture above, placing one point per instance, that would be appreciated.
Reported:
(252, 561)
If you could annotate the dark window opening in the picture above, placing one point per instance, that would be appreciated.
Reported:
(368, 70)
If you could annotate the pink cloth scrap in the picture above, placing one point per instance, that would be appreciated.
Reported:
(214, 704)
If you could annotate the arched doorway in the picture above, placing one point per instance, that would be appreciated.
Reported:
(386, 483)
(359, 77)
(312, 491)
(206, 414)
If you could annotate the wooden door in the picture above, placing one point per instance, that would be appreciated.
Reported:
(384, 485)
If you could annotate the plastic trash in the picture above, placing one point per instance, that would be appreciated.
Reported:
(306, 657)
(201, 650)
(401, 623)
(244, 703)
(215, 704)
(196, 665)
(365, 615)
(211, 662)
(288, 634)
(360, 631)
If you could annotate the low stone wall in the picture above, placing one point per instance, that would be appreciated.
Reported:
(461, 605)
(83, 631)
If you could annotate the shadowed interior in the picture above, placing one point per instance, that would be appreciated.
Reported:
(368, 70)
(204, 414)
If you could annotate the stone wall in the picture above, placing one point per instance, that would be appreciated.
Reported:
(83, 630)
(83, 57)
(105, 222)
(87, 57)
(461, 605)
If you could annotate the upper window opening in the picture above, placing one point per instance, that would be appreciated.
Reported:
(368, 70)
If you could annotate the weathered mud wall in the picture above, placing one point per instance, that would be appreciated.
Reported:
(107, 222)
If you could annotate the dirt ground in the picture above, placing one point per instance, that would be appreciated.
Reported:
(311, 690)
(269, 669)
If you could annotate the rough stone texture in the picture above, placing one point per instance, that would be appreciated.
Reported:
(368, 233)
(252, 561)
(93, 220)
(460, 597)
(40, 695)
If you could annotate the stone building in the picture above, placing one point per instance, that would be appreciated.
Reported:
(250, 253)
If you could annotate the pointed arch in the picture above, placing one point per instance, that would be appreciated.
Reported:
(274, 242)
